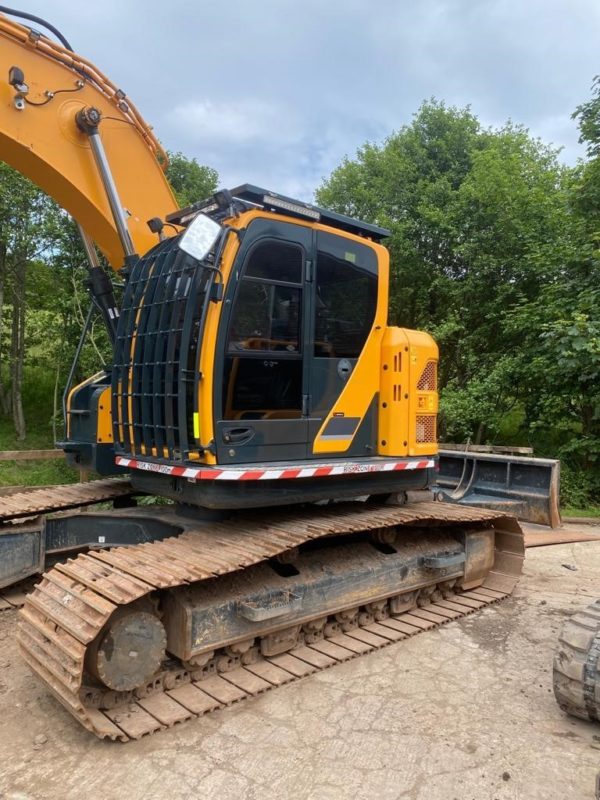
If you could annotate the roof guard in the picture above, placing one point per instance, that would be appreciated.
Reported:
(223, 203)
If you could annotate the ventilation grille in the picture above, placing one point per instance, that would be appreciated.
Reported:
(428, 380)
(426, 432)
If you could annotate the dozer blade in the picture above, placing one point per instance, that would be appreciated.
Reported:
(138, 638)
(528, 488)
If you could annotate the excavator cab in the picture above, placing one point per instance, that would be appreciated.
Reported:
(266, 349)
(298, 314)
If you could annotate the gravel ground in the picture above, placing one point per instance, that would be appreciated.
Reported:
(465, 712)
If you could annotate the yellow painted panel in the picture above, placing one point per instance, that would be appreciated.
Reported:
(43, 142)
(104, 431)
(204, 414)
(394, 393)
(423, 395)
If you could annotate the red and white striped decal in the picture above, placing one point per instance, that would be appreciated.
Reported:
(243, 474)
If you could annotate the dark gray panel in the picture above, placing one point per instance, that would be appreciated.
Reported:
(251, 441)
(21, 554)
(255, 494)
(340, 427)
(326, 384)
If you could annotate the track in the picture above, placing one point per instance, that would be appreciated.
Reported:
(46, 500)
(576, 673)
(70, 607)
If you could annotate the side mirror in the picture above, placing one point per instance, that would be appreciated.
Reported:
(199, 237)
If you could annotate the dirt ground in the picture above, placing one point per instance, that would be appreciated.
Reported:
(465, 712)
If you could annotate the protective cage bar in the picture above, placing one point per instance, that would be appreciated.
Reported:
(156, 354)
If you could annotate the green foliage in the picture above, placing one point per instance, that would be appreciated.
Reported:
(190, 180)
(586, 512)
(36, 473)
(588, 115)
(579, 489)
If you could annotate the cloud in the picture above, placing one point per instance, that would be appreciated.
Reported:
(279, 92)
(232, 123)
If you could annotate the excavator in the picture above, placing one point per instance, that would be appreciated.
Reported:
(257, 389)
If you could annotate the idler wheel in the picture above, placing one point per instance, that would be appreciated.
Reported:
(130, 652)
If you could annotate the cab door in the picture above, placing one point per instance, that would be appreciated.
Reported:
(343, 301)
(261, 403)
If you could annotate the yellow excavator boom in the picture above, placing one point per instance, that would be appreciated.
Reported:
(39, 137)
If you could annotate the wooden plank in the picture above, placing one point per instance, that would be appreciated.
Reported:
(486, 448)
(5, 491)
(30, 455)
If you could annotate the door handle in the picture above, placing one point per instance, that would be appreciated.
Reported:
(344, 368)
(237, 435)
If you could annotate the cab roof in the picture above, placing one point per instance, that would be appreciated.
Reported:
(228, 202)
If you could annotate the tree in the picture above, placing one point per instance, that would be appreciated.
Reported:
(190, 180)
(560, 329)
(27, 226)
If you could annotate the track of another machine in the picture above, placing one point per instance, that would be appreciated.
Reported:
(69, 609)
(577, 664)
(44, 500)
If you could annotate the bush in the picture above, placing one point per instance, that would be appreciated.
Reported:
(579, 488)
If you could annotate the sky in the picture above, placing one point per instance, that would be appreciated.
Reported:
(278, 92)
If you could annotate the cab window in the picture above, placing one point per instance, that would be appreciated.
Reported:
(263, 364)
(268, 304)
(346, 296)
